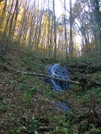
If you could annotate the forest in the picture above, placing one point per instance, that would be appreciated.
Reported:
(50, 66)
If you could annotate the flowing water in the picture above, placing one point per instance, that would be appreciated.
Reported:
(58, 71)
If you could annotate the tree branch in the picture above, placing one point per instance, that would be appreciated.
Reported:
(48, 76)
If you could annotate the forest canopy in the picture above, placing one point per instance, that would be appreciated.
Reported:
(75, 32)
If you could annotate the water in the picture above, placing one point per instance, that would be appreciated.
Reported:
(63, 106)
(58, 71)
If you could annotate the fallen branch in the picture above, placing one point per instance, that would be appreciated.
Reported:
(83, 82)
(48, 76)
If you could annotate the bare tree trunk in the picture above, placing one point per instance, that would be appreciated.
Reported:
(3, 14)
(66, 45)
(54, 19)
(71, 24)
(5, 40)
(22, 24)
(37, 33)
(98, 19)
(48, 38)
(2, 44)
(21, 27)
(8, 20)
(31, 32)
(1, 0)
(11, 21)
(15, 18)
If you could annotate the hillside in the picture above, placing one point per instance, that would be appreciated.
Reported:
(29, 105)
(50, 67)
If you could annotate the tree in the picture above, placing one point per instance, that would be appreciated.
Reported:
(3, 13)
(65, 29)
(71, 24)
(54, 20)
(98, 19)
(1, 0)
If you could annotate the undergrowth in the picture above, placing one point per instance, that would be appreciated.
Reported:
(29, 105)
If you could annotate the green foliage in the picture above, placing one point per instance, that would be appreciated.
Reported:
(12, 82)
(33, 125)
(34, 89)
(28, 60)
(16, 130)
(42, 66)
(3, 108)
(18, 92)
(22, 77)
(27, 96)
(59, 129)
(23, 86)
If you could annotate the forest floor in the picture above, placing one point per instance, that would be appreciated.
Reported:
(28, 105)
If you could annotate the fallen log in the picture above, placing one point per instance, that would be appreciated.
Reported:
(48, 76)
(39, 74)
(84, 83)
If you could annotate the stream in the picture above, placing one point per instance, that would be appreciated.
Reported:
(56, 70)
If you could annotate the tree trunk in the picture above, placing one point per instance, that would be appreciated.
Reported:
(71, 37)
(3, 14)
(66, 45)
(54, 19)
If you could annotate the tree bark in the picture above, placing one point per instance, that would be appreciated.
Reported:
(71, 34)
(54, 20)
